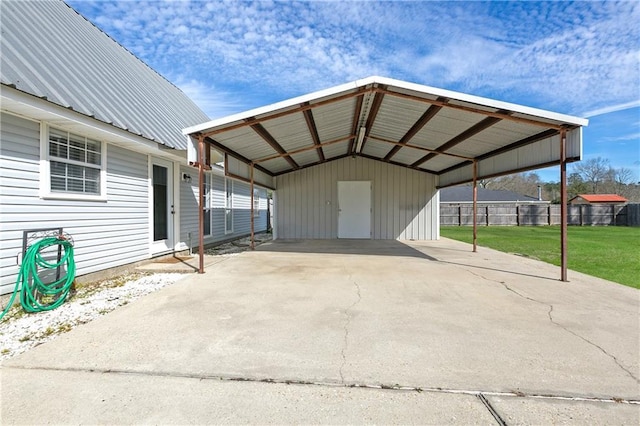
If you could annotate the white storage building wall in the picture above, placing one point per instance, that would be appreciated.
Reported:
(404, 201)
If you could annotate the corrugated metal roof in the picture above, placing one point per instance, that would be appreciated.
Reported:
(419, 127)
(50, 51)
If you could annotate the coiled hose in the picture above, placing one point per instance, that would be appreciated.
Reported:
(29, 283)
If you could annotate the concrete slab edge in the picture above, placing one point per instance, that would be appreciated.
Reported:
(330, 383)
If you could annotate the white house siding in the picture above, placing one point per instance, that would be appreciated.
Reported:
(405, 203)
(241, 209)
(106, 234)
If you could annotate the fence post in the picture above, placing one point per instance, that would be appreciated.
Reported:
(517, 215)
(487, 218)
(613, 214)
(549, 214)
(459, 215)
(581, 214)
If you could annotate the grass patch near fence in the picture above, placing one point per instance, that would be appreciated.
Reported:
(609, 252)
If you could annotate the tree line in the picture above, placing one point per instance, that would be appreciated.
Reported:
(593, 176)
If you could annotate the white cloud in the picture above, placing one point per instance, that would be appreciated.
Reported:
(612, 108)
(214, 102)
(567, 56)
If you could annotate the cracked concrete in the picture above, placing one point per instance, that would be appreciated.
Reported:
(265, 338)
(348, 316)
(550, 315)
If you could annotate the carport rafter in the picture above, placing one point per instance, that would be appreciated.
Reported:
(354, 123)
(419, 148)
(431, 112)
(313, 131)
(372, 114)
(255, 120)
(264, 134)
(305, 149)
(522, 142)
(496, 114)
(461, 137)
(232, 153)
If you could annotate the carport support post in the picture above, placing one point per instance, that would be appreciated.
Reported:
(201, 160)
(563, 205)
(475, 206)
(253, 244)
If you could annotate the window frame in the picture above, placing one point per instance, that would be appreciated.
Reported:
(208, 201)
(256, 202)
(228, 204)
(45, 168)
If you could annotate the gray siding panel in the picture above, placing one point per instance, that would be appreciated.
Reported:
(404, 204)
(241, 210)
(106, 234)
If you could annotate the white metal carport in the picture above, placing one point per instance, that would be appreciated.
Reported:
(457, 137)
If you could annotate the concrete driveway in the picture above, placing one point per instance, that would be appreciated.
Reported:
(347, 332)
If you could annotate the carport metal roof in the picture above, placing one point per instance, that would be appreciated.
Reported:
(423, 128)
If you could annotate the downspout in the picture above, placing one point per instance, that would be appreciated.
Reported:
(563, 205)
(475, 206)
(201, 159)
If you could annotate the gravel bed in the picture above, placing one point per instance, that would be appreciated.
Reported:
(240, 245)
(20, 331)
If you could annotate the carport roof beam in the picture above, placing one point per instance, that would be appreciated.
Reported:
(313, 131)
(264, 134)
(470, 132)
(419, 124)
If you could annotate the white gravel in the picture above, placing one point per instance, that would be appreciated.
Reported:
(20, 331)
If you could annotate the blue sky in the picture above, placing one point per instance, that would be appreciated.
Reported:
(578, 58)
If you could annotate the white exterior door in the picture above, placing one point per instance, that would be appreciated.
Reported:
(354, 209)
(162, 206)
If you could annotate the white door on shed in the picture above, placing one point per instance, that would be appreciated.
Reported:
(354, 209)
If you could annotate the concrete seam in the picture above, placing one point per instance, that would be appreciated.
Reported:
(554, 322)
(345, 344)
(491, 409)
(334, 384)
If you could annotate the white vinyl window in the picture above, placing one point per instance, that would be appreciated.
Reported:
(256, 202)
(228, 206)
(75, 165)
(208, 204)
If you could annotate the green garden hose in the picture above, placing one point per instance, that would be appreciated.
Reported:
(31, 286)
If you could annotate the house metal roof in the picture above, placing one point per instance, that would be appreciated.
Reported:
(51, 52)
(464, 194)
(601, 198)
(410, 125)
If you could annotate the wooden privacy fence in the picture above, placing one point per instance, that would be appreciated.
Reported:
(540, 214)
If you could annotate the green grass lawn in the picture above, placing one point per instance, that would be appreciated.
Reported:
(609, 252)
